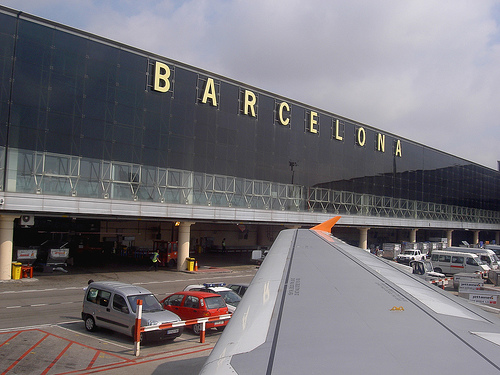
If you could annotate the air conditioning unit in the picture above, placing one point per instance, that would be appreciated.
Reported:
(27, 220)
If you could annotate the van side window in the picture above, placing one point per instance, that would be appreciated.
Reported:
(119, 304)
(445, 258)
(459, 260)
(472, 262)
(103, 297)
(92, 295)
(98, 296)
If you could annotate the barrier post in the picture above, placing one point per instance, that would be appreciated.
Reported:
(137, 331)
(202, 333)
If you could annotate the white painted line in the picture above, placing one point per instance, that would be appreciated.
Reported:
(89, 335)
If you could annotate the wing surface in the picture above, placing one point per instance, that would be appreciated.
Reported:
(318, 305)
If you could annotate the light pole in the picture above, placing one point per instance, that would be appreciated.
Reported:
(292, 164)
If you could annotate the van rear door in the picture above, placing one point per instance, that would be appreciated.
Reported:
(100, 305)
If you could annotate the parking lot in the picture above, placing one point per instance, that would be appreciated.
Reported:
(42, 331)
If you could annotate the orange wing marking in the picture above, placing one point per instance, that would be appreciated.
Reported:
(327, 225)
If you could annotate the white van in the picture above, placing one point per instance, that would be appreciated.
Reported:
(487, 256)
(112, 305)
(451, 262)
(494, 248)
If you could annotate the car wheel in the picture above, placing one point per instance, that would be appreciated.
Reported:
(171, 263)
(220, 329)
(438, 270)
(89, 324)
(197, 328)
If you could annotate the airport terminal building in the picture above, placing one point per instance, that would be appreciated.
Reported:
(108, 143)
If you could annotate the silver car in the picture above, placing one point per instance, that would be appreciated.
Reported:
(112, 305)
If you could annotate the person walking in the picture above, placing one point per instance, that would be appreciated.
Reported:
(155, 259)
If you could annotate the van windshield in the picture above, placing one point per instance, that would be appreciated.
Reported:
(487, 259)
(149, 303)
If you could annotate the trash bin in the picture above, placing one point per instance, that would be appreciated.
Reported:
(16, 270)
(190, 265)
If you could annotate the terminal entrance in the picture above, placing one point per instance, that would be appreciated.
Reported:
(63, 242)
(90, 243)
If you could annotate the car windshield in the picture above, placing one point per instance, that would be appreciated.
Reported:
(215, 302)
(230, 297)
(408, 252)
(149, 303)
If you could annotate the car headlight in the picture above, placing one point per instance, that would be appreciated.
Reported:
(150, 322)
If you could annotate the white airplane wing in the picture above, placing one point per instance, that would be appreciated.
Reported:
(320, 306)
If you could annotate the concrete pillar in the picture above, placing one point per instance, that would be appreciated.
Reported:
(6, 239)
(448, 236)
(475, 241)
(413, 235)
(363, 238)
(183, 248)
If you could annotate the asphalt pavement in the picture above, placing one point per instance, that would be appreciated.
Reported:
(67, 348)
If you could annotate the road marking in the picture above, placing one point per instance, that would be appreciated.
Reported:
(244, 273)
(27, 328)
(40, 290)
(42, 304)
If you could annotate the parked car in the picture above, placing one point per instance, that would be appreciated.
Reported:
(112, 305)
(239, 289)
(230, 297)
(193, 305)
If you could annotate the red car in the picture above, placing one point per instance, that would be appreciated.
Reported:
(193, 305)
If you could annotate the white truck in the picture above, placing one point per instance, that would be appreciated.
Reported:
(409, 255)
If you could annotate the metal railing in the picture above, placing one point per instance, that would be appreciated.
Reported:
(46, 173)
